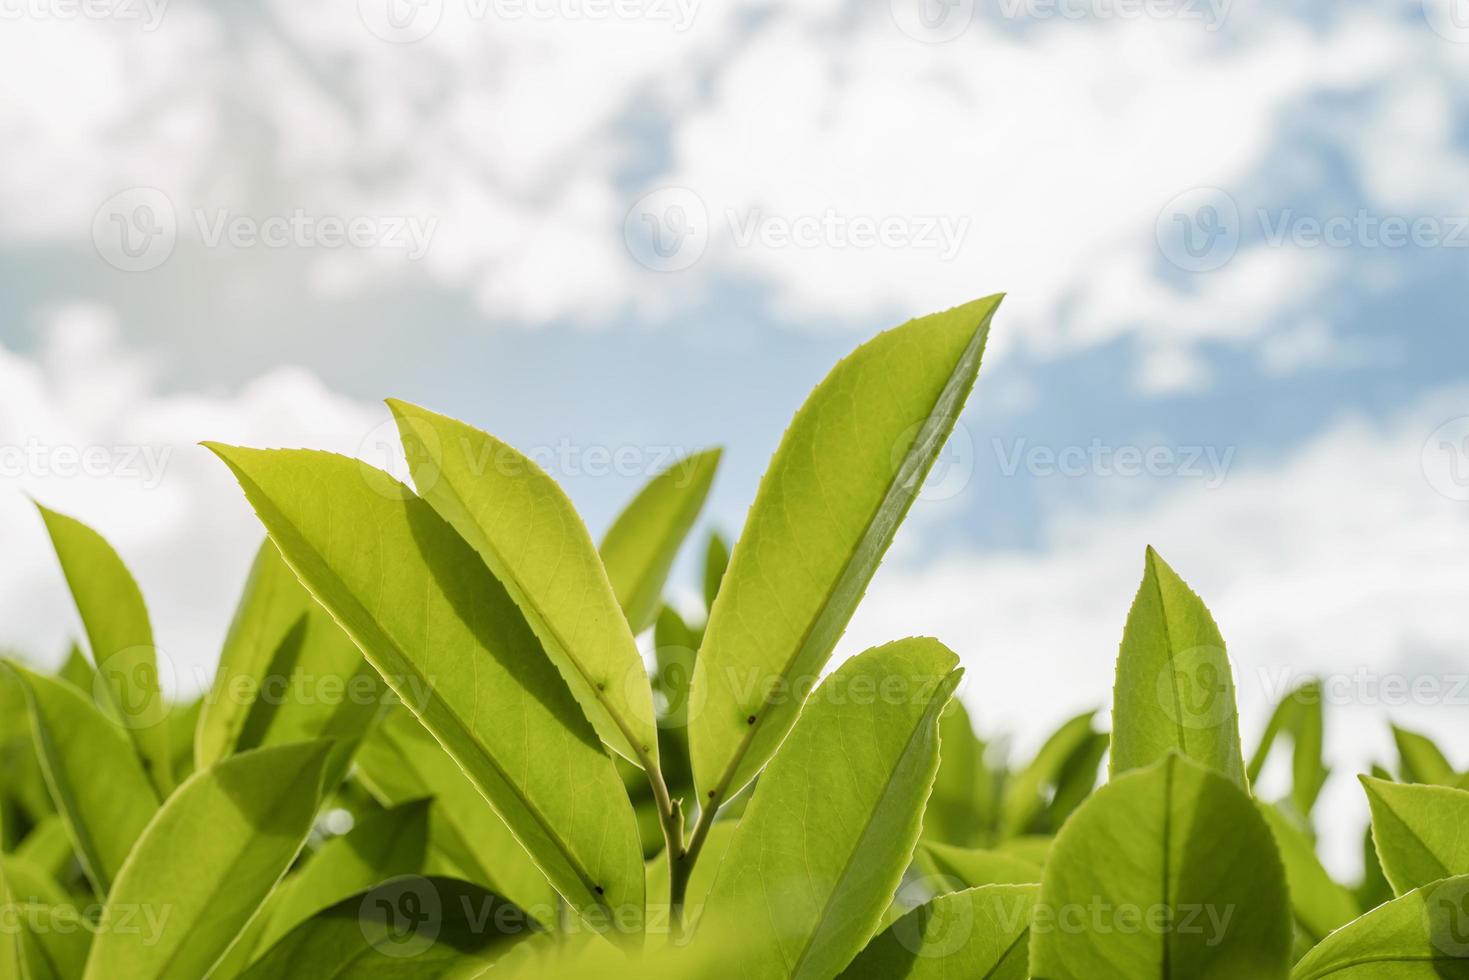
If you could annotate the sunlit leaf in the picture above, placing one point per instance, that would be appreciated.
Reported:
(446, 636)
(834, 819)
(848, 469)
(1175, 690)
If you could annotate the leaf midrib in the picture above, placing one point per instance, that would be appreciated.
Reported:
(502, 570)
(948, 395)
(588, 882)
(923, 722)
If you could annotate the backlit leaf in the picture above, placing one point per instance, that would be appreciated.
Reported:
(446, 636)
(822, 846)
(1175, 690)
(847, 471)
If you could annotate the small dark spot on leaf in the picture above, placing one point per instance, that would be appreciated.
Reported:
(599, 889)
(750, 720)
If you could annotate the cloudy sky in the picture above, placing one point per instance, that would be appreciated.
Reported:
(1234, 238)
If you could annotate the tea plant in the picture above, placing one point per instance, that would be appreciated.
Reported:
(434, 748)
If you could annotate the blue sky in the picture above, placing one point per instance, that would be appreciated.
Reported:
(1234, 233)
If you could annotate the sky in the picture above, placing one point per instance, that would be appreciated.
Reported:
(1233, 236)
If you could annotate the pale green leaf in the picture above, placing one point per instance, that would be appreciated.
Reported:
(951, 869)
(834, 819)
(121, 638)
(272, 605)
(287, 674)
(847, 471)
(980, 932)
(1321, 906)
(407, 928)
(400, 762)
(1175, 690)
(1168, 872)
(961, 808)
(1419, 830)
(526, 530)
(101, 790)
(1421, 761)
(716, 560)
(1027, 792)
(1424, 935)
(446, 636)
(639, 548)
(385, 845)
(207, 861)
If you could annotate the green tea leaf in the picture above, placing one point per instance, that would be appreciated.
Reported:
(1299, 715)
(206, 863)
(534, 542)
(952, 869)
(834, 819)
(1424, 935)
(1321, 906)
(981, 932)
(121, 638)
(287, 674)
(48, 845)
(847, 471)
(446, 636)
(1026, 793)
(1419, 830)
(1174, 685)
(1421, 761)
(716, 560)
(408, 928)
(272, 605)
(1171, 873)
(385, 845)
(101, 791)
(400, 762)
(961, 808)
(640, 546)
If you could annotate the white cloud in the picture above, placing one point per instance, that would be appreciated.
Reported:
(1049, 148)
(1341, 560)
(86, 431)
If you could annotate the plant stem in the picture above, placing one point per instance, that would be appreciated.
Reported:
(681, 865)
